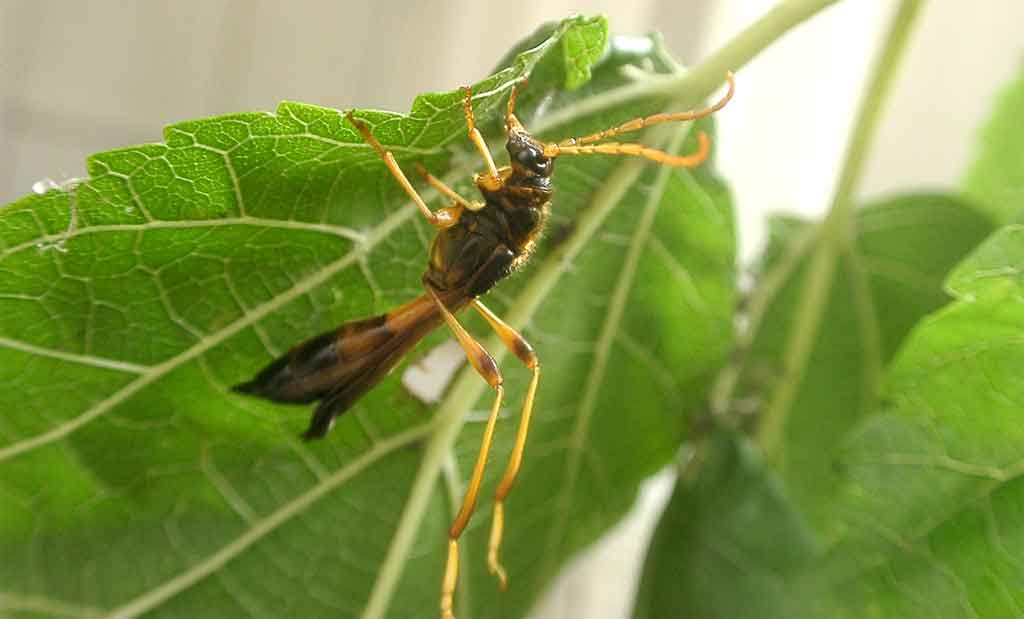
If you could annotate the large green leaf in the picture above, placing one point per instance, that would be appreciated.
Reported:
(134, 483)
(933, 503)
(886, 280)
(995, 179)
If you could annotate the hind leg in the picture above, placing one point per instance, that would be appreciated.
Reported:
(522, 349)
(485, 365)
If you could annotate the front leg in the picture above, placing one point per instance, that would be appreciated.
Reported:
(442, 218)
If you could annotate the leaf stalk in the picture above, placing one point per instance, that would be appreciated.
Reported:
(835, 234)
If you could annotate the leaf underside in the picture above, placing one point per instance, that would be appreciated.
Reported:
(134, 483)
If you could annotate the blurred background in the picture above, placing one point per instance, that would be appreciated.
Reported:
(79, 77)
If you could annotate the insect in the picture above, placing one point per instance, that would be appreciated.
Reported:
(478, 243)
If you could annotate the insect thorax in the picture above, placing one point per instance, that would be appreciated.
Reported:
(487, 245)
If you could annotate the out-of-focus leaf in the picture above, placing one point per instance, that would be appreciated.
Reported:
(998, 263)
(730, 544)
(995, 179)
(132, 482)
(885, 282)
(932, 507)
(930, 499)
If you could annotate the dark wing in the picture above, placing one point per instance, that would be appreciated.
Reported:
(339, 366)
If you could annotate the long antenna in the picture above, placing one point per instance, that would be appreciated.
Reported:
(656, 119)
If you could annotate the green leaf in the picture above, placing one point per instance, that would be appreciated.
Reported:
(133, 482)
(886, 280)
(996, 264)
(995, 180)
(932, 506)
(929, 495)
(581, 49)
(923, 503)
(729, 543)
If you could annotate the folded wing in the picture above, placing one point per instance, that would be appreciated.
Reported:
(339, 366)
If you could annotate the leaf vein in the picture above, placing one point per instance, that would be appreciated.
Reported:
(204, 344)
(681, 274)
(93, 360)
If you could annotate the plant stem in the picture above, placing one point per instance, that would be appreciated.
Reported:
(835, 234)
(878, 88)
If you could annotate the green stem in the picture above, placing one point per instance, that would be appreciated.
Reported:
(878, 88)
(835, 234)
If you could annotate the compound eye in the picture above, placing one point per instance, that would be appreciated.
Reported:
(527, 156)
(540, 166)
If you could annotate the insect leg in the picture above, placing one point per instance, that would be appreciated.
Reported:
(474, 134)
(510, 110)
(443, 218)
(488, 369)
(445, 190)
(656, 119)
(524, 351)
